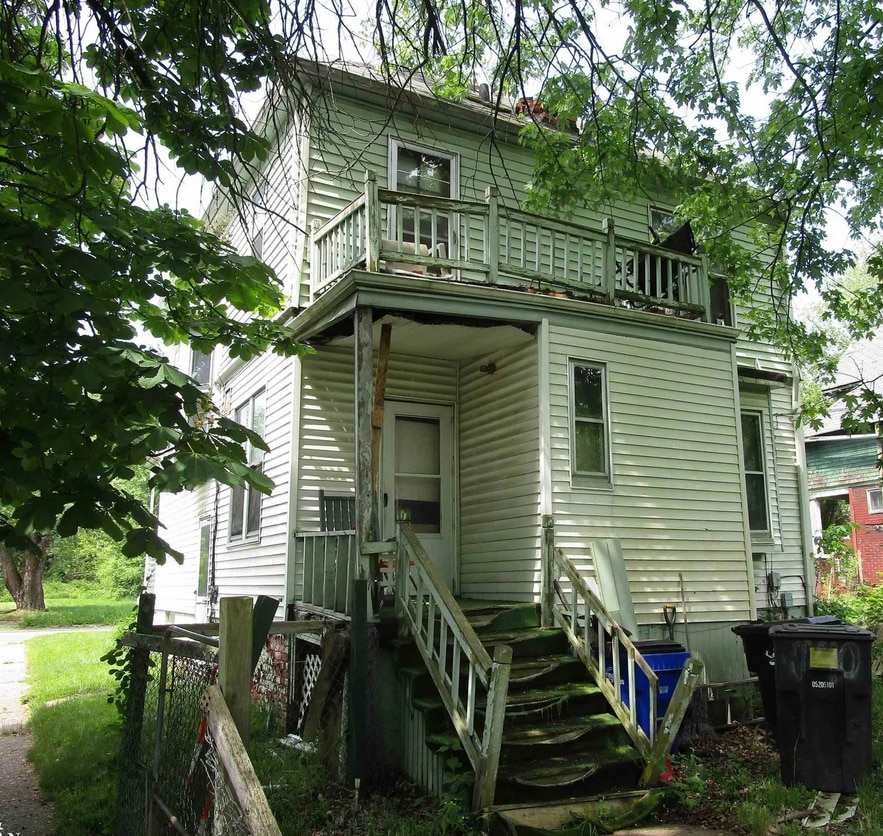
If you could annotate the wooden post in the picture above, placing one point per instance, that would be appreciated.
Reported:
(547, 590)
(491, 742)
(671, 723)
(372, 223)
(492, 231)
(234, 671)
(379, 398)
(317, 273)
(608, 284)
(131, 783)
(358, 684)
(366, 503)
(704, 289)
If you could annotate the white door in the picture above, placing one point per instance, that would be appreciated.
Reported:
(418, 468)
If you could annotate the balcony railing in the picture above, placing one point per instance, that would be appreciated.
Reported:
(485, 242)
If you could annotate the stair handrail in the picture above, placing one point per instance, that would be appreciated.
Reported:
(422, 596)
(588, 618)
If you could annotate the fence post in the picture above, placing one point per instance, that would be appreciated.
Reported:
(358, 683)
(548, 560)
(608, 279)
(235, 668)
(486, 779)
(492, 230)
(131, 778)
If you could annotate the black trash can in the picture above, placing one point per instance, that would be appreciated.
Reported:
(823, 696)
(760, 657)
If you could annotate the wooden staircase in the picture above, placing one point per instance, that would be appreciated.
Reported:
(565, 757)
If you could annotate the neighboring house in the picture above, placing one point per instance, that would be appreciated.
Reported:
(530, 371)
(843, 467)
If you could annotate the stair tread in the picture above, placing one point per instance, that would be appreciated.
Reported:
(613, 809)
(552, 734)
(552, 693)
(564, 770)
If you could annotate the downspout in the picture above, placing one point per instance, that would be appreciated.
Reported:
(809, 569)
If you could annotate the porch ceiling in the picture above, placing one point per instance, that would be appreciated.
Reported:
(444, 340)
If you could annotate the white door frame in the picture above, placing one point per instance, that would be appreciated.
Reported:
(441, 547)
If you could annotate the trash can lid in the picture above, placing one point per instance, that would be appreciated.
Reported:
(757, 628)
(823, 632)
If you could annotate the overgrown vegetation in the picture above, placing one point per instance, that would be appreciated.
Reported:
(76, 732)
(732, 781)
(69, 605)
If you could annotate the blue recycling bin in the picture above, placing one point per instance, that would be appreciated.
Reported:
(667, 667)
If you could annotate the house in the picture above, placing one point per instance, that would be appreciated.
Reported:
(519, 388)
(843, 467)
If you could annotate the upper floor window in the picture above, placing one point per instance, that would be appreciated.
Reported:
(427, 172)
(588, 409)
(875, 501)
(201, 367)
(755, 472)
(245, 501)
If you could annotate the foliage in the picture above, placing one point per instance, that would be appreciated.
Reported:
(84, 267)
(119, 660)
(76, 740)
(76, 612)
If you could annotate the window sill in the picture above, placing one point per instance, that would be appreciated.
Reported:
(244, 541)
(761, 538)
(590, 483)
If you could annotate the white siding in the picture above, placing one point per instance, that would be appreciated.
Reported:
(783, 552)
(676, 495)
(326, 458)
(500, 477)
(175, 583)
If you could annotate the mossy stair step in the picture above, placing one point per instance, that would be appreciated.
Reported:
(532, 641)
(607, 767)
(572, 817)
(539, 741)
(553, 702)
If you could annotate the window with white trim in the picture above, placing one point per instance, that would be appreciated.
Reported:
(201, 367)
(423, 171)
(875, 501)
(206, 529)
(755, 473)
(245, 501)
(590, 451)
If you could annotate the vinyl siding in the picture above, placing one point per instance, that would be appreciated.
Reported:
(500, 477)
(326, 456)
(675, 496)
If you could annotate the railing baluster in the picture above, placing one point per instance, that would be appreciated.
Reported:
(455, 673)
(470, 701)
(430, 626)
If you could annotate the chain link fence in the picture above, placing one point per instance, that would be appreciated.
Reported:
(172, 777)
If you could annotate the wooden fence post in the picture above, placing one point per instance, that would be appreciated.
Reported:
(548, 560)
(492, 739)
(131, 779)
(358, 683)
(235, 668)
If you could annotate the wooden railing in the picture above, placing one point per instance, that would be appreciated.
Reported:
(451, 650)
(614, 662)
(482, 241)
(329, 560)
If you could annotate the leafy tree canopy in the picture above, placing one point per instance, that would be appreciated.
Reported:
(83, 266)
(666, 99)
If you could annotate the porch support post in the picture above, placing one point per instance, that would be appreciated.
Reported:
(366, 502)
(492, 231)
(548, 558)
(372, 223)
(609, 274)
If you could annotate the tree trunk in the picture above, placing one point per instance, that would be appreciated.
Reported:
(26, 587)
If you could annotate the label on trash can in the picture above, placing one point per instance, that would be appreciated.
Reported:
(823, 657)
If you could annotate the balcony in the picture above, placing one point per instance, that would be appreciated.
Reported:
(487, 243)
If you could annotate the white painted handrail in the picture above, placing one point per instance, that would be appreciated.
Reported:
(450, 648)
(583, 618)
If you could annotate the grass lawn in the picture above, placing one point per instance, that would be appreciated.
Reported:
(68, 612)
(76, 740)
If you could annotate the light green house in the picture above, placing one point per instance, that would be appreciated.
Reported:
(515, 385)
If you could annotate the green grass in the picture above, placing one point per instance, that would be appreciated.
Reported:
(68, 612)
(76, 741)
